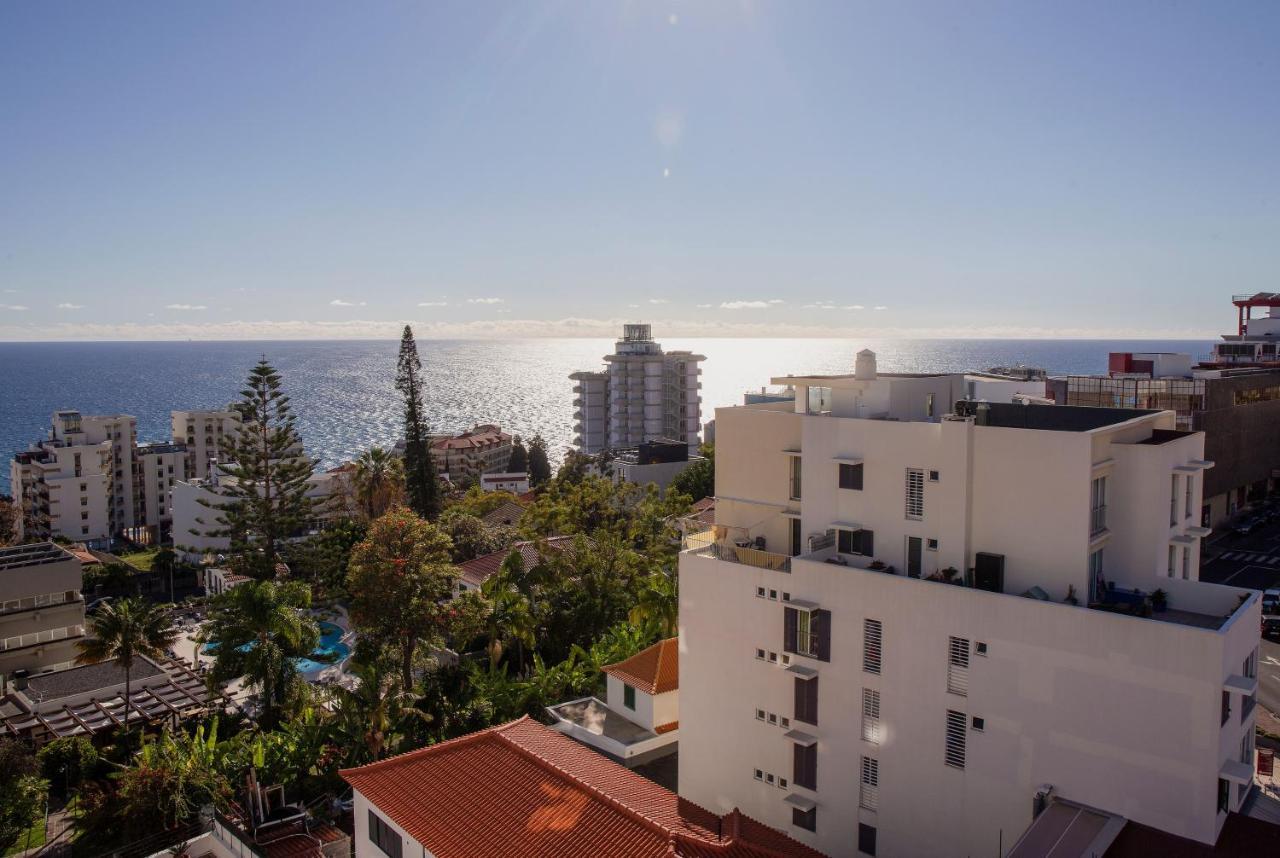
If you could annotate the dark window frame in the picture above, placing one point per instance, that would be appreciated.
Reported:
(629, 696)
(383, 836)
(851, 476)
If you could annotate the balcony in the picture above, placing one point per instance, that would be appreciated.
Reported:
(735, 545)
(37, 638)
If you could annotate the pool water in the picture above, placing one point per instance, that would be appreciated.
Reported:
(331, 648)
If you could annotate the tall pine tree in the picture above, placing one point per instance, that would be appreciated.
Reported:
(261, 500)
(539, 467)
(519, 462)
(421, 484)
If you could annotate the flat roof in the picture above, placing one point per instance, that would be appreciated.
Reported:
(1052, 418)
(90, 677)
(21, 556)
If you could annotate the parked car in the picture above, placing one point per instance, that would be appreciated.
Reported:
(1247, 526)
(1271, 602)
(94, 606)
(1271, 626)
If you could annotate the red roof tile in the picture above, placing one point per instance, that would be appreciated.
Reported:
(653, 670)
(666, 728)
(523, 789)
(480, 569)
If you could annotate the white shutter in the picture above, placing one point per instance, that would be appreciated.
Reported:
(958, 666)
(871, 716)
(871, 639)
(956, 736)
(869, 786)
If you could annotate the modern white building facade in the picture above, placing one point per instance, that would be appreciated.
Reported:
(41, 609)
(925, 611)
(643, 394)
(201, 432)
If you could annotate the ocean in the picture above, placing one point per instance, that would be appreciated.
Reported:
(343, 392)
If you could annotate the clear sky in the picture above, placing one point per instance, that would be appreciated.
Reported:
(328, 169)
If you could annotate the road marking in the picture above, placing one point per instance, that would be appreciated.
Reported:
(1230, 555)
(1243, 569)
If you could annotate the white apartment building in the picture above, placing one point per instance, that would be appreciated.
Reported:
(160, 466)
(41, 610)
(907, 630)
(643, 394)
(68, 484)
(202, 432)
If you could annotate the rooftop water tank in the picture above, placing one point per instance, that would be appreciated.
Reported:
(864, 368)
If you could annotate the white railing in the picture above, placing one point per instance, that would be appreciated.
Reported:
(45, 636)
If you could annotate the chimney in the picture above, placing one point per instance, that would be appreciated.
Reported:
(864, 367)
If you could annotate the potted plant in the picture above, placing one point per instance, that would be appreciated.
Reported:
(949, 574)
(1071, 595)
(1159, 601)
(876, 565)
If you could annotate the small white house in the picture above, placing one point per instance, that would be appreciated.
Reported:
(218, 581)
(516, 482)
(640, 717)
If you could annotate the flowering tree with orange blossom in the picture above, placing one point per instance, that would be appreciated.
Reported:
(401, 579)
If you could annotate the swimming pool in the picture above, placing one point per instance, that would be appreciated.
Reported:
(331, 649)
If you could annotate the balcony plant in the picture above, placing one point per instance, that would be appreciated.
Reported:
(1159, 601)
(1071, 595)
(949, 575)
(877, 565)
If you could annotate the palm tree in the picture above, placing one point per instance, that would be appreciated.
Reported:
(511, 591)
(126, 630)
(370, 716)
(658, 605)
(379, 477)
(261, 628)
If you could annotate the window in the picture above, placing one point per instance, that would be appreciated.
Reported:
(856, 542)
(759, 714)
(979, 724)
(806, 700)
(958, 666)
(851, 476)
(915, 493)
(869, 784)
(384, 836)
(782, 783)
(806, 819)
(1224, 796)
(773, 719)
(1186, 563)
(929, 405)
(784, 722)
(1097, 571)
(871, 716)
(980, 648)
(1173, 559)
(807, 632)
(1250, 667)
(773, 657)
(628, 696)
(806, 766)
(1173, 502)
(934, 476)
(795, 477)
(931, 545)
(759, 775)
(1098, 506)
(1190, 482)
(768, 778)
(773, 594)
(1226, 706)
(760, 592)
(956, 723)
(760, 654)
(866, 839)
(872, 632)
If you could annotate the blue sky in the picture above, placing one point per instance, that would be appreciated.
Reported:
(326, 169)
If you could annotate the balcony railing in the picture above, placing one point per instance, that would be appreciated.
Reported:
(734, 545)
(35, 638)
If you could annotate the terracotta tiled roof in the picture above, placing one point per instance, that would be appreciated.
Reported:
(523, 789)
(480, 436)
(480, 569)
(653, 670)
(509, 513)
(666, 728)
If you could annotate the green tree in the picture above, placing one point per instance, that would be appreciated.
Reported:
(22, 792)
(322, 561)
(519, 461)
(698, 481)
(9, 512)
(370, 718)
(379, 481)
(539, 467)
(261, 627)
(172, 777)
(67, 761)
(421, 484)
(126, 630)
(262, 500)
(657, 608)
(471, 537)
(511, 613)
(399, 578)
(163, 565)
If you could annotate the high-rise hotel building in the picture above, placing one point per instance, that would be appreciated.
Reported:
(643, 394)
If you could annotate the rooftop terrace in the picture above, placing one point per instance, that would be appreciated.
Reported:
(22, 556)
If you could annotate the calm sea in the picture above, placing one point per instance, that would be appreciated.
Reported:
(344, 396)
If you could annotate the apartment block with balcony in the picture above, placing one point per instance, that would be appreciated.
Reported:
(160, 466)
(926, 611)
(202, 432)
(66, 484)
(483, 449)
(643, 394)
(41, 610)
